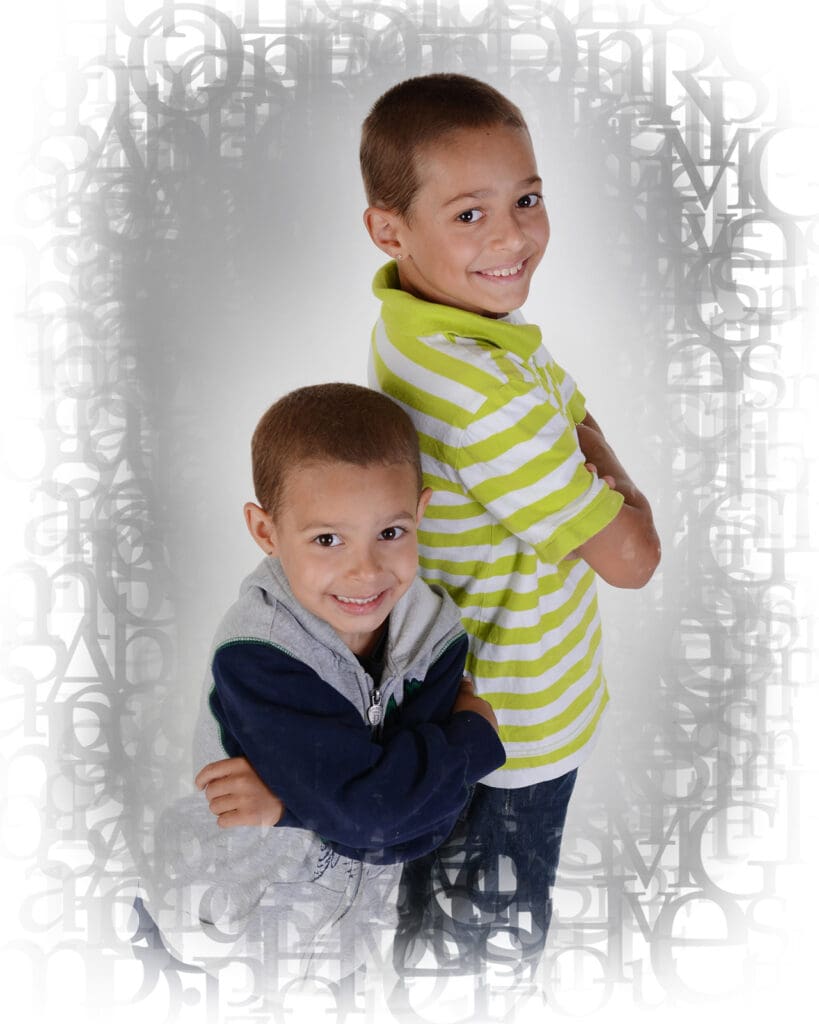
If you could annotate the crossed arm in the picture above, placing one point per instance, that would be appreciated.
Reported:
(236, 794)
(626, 552)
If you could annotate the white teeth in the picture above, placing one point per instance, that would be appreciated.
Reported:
(506, 272)
(356, 600)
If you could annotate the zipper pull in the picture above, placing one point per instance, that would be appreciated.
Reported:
(375, 711)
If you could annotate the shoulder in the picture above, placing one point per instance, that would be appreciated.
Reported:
(266, 616)
(439, 371)
(424, 343)
(450, 383)
(253, 676)
(252, 614)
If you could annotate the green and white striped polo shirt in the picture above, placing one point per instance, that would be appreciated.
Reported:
(496, 417)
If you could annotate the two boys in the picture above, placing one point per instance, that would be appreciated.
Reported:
(529, 500)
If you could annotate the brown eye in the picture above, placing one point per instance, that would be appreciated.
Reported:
(470, 216)
(327, 540)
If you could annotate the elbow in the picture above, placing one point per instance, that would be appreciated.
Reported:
(642, 574)
(641, 554)
(645, 564)
(636, 566)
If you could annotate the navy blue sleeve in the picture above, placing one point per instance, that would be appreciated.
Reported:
(312, 748)
(432, 702)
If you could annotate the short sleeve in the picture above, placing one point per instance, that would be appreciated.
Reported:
(520, 459)
(571, 397)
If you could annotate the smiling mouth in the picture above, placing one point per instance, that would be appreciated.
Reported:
(504, 273)
(359, 605)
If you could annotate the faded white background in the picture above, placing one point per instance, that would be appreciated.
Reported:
(182, 243)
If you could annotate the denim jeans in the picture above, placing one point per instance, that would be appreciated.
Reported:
(485, 895)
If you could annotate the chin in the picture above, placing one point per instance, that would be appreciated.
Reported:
(502, 303)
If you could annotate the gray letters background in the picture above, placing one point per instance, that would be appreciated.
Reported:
(182, 243)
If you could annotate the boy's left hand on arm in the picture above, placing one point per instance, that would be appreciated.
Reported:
(590, 466)
(468, 700)
(236, 794)
(601, 460)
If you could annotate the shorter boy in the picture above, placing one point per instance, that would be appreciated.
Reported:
(338, 675)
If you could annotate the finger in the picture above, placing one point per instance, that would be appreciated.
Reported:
(220, 787)
(230, 819)
(214, 770)
(223, 803)
(590, 466)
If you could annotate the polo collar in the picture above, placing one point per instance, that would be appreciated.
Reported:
(405, 313)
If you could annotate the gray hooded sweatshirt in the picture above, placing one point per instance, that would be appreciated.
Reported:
(372, 772)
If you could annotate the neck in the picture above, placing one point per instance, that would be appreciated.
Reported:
(362, 644)
(412, 289)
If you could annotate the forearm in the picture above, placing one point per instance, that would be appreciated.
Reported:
(238, 796)
(627, 551)
(598, 451)
(325, 765)
(421, 779)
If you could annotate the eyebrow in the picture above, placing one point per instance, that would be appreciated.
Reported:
(325, 527)
(483, 192)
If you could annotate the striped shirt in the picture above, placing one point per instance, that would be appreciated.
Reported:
(497, 418)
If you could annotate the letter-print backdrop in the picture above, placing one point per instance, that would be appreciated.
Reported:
(186, 245)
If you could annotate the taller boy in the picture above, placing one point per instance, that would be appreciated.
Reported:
(521, 517)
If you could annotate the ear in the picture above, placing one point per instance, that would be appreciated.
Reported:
(385, 229)
(423, 501)
(261, 527)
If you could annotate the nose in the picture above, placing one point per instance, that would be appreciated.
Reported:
(508, 235)
(364, 563)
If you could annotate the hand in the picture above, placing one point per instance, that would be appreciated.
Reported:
(468, 700)
(590, 466)
(601, 460)
(236, 794)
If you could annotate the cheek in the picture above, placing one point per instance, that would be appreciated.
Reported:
(302, 572)
(409, 562)
(445, 248)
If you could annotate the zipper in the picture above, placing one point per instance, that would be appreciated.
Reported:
(375, 712)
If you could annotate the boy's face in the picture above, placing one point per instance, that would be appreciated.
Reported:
(478, 227)
(346, 537)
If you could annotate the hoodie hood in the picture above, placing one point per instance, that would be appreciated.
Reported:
(421, 625)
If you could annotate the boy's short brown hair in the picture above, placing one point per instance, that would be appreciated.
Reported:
(414, 114)
(329, 423)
